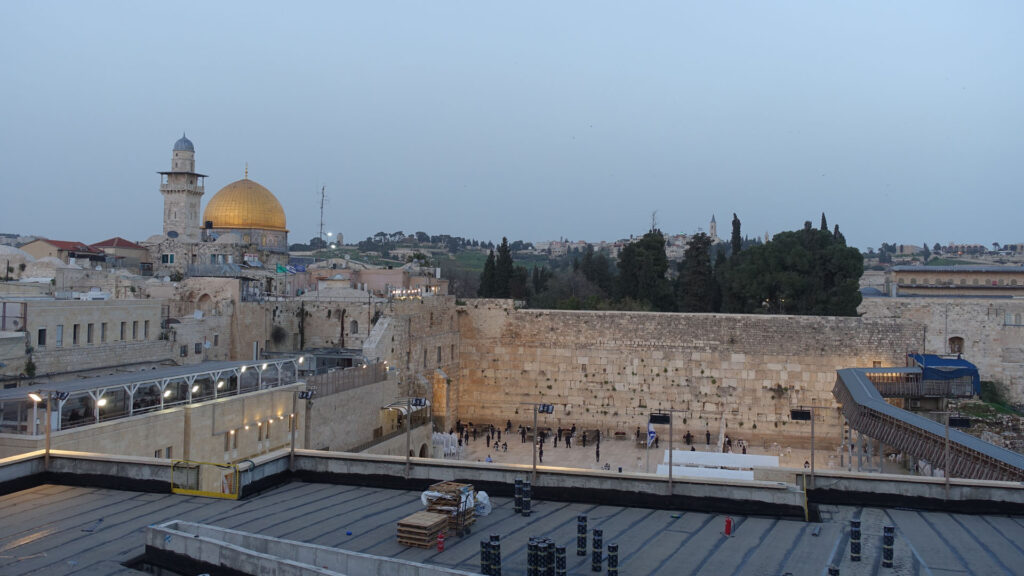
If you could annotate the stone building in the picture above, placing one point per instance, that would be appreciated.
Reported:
(987, 331)
(243, 224)
(960, 281)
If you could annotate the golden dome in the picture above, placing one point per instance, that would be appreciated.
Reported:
(245, 204)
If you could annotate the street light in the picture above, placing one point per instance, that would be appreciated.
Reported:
(307, 395)
(37, 397)
(664, 416)
(803, 414)
(542, 409)
(409, 403)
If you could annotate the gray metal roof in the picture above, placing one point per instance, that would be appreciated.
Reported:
(184, 144)
(1011, 269)
(116, 380)
(865, 394)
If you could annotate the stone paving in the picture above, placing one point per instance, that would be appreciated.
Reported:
(633, 457)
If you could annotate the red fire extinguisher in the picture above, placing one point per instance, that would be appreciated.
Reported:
(728, 526)
(440, 542)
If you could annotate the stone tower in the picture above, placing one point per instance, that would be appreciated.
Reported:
(182, 189)
(713, 230)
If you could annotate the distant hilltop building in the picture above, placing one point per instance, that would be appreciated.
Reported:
(243, 224)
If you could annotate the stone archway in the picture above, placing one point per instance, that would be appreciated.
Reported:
(205, 304)
(424, 453)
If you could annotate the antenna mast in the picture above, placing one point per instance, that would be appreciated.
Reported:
(323, 194)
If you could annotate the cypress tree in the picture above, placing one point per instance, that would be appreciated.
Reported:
(486, 289)
(736, 240)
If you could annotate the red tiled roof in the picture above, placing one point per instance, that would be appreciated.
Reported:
(117, 242)
(72, 246)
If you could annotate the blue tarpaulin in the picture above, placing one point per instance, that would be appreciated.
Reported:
(935, 367)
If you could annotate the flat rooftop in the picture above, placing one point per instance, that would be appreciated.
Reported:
(52, 529)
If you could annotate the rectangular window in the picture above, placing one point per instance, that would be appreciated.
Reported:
(124, 327)
(103, 332)
(88, 333)
(158, 453)
(167, 258)
(438, 355)
(216, 339)
(74, 335)
(135, 330)
(168, 451)
(199, 347)
(41, 337)
(145, 330)
(60, 335)
(183, 351)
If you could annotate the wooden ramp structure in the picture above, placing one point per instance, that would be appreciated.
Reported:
(866, 410)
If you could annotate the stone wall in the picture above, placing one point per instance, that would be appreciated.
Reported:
(420, 340)
(992, 330)
(609, 370)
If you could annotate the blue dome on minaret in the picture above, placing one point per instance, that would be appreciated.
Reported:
(184, 145)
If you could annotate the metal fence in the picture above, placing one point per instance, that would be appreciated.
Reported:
(348, 379)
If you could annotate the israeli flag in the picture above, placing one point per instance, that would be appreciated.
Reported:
(650, 434)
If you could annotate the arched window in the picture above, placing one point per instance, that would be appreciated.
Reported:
(956, 345)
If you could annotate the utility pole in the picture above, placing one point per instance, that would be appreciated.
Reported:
(323, 195)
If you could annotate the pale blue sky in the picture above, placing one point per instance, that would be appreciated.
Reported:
(534, 120)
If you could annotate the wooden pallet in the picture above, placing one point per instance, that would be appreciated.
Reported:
(448, 503)
(421, 529)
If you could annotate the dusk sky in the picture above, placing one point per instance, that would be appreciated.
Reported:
(902, 121)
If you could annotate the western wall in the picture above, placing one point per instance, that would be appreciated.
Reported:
(609, 370)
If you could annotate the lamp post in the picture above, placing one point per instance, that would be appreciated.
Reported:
(543, 409)
(664, 416)
(945, 455)
(409, 403)
(307, 395)
(37, 397)
(804, 414)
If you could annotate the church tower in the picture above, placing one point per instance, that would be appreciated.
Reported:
(182, 189)
(713, 231)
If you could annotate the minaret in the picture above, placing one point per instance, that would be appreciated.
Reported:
(713, 232)
(182, 189)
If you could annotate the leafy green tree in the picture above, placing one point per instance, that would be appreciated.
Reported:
(838, 235)
(926, 253)
(695, 286)
(806, 272)
(642, 268)
(824, 223)
(487, 278)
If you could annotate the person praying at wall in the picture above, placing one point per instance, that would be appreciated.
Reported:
(597, 453)
(707, 437)
(637, 437)
(540, 454)
(495, 445)
(584, 438)
(488, 439)
(504, 446)
(555, 441)
(499, 435)
(568, 441)
(508, 427)
(522, 434)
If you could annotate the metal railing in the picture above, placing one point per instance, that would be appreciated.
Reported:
(347, 379)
